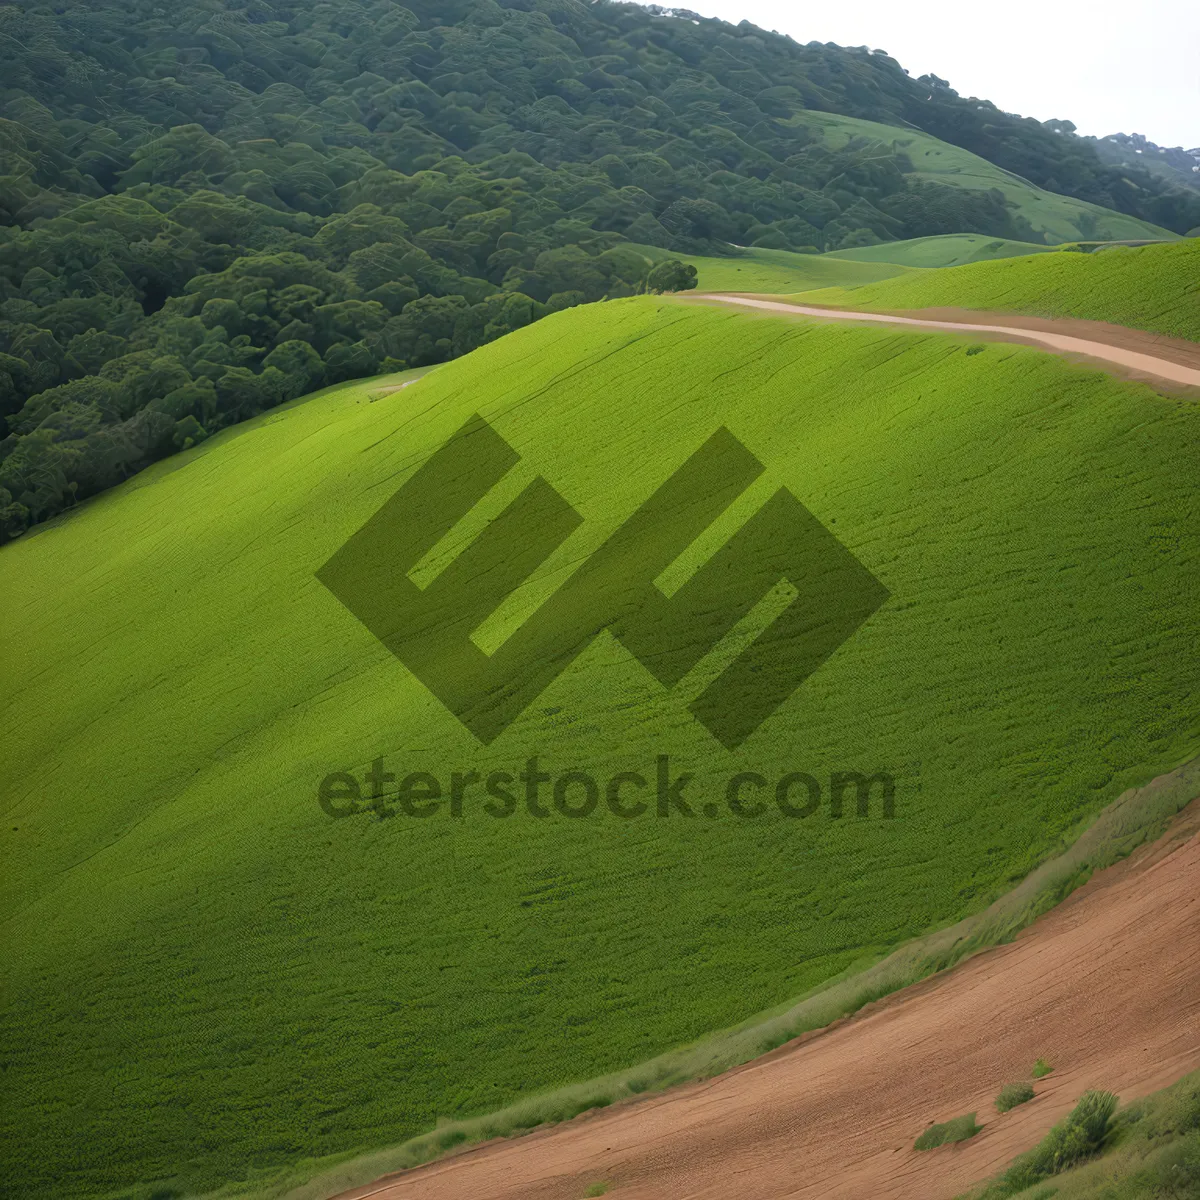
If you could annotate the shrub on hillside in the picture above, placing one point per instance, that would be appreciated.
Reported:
(1012, 1094)
(957, 1130)
(671, 276)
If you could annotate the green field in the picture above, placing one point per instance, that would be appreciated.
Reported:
(1057, 218)
(1145, 287)
(206, 979)
(754, 269)
(946, 250)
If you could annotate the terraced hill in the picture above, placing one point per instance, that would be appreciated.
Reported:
(211, 981)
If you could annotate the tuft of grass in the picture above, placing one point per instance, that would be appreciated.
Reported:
(957, 1130)
(596, 1189)
(1041, 1068)
(1012, 1094)
(1070, 1142)
(1092, 1115)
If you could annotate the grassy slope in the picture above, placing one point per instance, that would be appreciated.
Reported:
(205, 976)
(1148, 287)
(1152, 1153)
(1054, 216)
(1136, 817)
(946, 250)
(754, 269)
(757, 270)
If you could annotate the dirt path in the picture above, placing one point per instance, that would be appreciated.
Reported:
(1131, 353)
(1106, 987)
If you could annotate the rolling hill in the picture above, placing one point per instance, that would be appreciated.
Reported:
(1131, 284)
(439, 670)
(1156, 288)
(1050, 217)
(209, 980)
(945, 250)
(758, 269)
(755, 269)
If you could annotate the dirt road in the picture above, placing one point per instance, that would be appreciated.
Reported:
(1106, 987)
(1129, 352)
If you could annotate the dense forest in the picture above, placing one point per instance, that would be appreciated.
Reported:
(213, 206)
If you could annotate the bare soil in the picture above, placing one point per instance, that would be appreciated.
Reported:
(1170, 364)
(1106, 987)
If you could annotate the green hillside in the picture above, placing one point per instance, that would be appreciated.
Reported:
(1145, 287)
(206, 979)
(1051, 217)
(944, 250)
(755, 269)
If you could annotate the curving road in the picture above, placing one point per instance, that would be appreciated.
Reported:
(1144, 355)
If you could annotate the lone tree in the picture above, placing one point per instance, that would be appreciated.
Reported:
(671, 276)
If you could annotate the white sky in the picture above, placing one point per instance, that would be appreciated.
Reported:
(1128, 67)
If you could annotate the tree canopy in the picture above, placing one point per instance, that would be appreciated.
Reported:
(213, 206)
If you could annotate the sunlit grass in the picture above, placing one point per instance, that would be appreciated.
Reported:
(1146, 287)
(207, 981)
